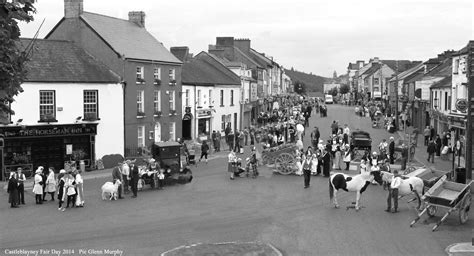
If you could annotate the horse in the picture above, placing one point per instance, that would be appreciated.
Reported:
(357, 183)
(407, 186)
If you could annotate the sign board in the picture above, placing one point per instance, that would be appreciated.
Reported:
(68, 149)
(253, 92)
(49, 130)
(461, 105)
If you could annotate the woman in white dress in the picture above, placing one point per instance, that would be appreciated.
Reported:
(79, 189)
(38, 185)
(51, 183)
(299, 166)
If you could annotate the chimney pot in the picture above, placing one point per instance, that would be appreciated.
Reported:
(73, 8)
(137, 17)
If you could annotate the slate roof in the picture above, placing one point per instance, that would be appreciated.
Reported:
(372, 69)
(402, 64)
(407, 72)
(63, 61)
(246, 59)
(129, 39)
(442, 70)
(259, 58)
(205, 70)
(443, 83)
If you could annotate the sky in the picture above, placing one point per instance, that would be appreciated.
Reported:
(308, 35)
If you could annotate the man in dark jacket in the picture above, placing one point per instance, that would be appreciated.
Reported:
(134, 180)
(391, 149)
(431, 150)
(117, 176)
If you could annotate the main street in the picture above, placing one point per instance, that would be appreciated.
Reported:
(212, 208)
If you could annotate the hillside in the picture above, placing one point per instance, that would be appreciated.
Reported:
(314, 83)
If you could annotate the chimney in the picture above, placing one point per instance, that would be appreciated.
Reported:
(137, 18)
(73, 8)
(360, 63)
(243, 44)
(376, 59)
(224, 41)
(181, 52)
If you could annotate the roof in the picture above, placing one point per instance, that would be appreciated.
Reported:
(128, 39)
(353, 66)
(442, 70)
(408, 72)
(372, 69)
(260, 58)
(400, 65)
(63, 61)
(246, 59)
(463, 51)
(205, 70)
(443, 83)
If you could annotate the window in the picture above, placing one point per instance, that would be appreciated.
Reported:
(172, 131)
(140, 102)
(376, 81)
(172, 107)
(47, 105)
(157, 132)
(172, 76)
(157, 73)
(211, 103)
(199, 98)
(141, 136)
(232, 97)
(156, 101)
(223, 123)
(187, 98)
(456, 66)
(449, 102)
(140, 75)
(445, 100)
(222, 98)
(91, 104)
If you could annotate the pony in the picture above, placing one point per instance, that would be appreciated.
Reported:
(110, 189)
(357, 183)
(407, 186)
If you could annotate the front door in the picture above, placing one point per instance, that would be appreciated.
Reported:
(235, 121)
(187, 129)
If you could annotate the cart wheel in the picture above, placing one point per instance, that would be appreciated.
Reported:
(464, 209)
(431, 211)
(284, 163)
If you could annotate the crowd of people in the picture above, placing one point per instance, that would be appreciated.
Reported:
(68, 184)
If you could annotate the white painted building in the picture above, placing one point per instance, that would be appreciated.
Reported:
(71, 105)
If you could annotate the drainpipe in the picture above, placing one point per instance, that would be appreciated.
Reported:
(124, 88)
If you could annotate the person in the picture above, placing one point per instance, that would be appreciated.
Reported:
(326, 163)
(161, 179)
(230, 140)
(253, 162)
(51, 183)
(307, 166)
(315, 137)
(230, 166)
(432, 133)
(204, 151)
(61, 190)
(126, 176)
(38, 185)
(363, 166)
(391, 149)
(431, 151)
(334, 127)
(241, 141)
(79, 189)
(218, 137)
(393, 192)
(314, 164)
(281, 139)
(69, 189)
(214, 140)
(117, 176)
(12, 190)
(438, 145)
(427, 133)
(347, 157)
(21, 187)
(44, 177)
(134, 178)
(246, 136)
(383, 146)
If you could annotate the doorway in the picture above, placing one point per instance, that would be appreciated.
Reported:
(187, 129)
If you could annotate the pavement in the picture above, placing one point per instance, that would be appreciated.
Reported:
(212, 209)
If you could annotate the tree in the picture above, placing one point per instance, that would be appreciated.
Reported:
(300, 87)
(333, 91)
(12, 56)
(344, 89)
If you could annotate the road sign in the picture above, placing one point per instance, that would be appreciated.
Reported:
(461, 105)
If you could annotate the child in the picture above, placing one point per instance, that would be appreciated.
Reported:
(161, 179)
(314, 166)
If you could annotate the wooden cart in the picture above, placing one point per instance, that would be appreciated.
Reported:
(283, 157)
(447, 194)
(429, 176)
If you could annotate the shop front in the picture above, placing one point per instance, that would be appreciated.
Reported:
(47, 146)
(204, 118)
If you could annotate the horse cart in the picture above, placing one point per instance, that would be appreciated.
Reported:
(429, 176)
(283, 157)
(446, 194)
(360, 143)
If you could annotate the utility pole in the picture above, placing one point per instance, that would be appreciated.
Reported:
(470, 109)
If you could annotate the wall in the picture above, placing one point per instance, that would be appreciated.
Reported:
(425, 85)
(227, 108)
(459, 91)
(69, 96)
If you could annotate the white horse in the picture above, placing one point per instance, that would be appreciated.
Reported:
(407, 186)
(356, 184)
(111, 190)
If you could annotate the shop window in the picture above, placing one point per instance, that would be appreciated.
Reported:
(91, 104)
(47, 106)
(172, 131)
(141, 136)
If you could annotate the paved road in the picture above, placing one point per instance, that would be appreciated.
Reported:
(273, 208)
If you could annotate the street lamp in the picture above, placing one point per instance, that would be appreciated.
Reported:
(435, 105)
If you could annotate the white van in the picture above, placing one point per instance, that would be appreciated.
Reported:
(328, 99)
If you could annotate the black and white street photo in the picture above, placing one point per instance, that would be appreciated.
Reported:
(271, 128)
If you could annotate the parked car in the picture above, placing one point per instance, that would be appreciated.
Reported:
(328, 99)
